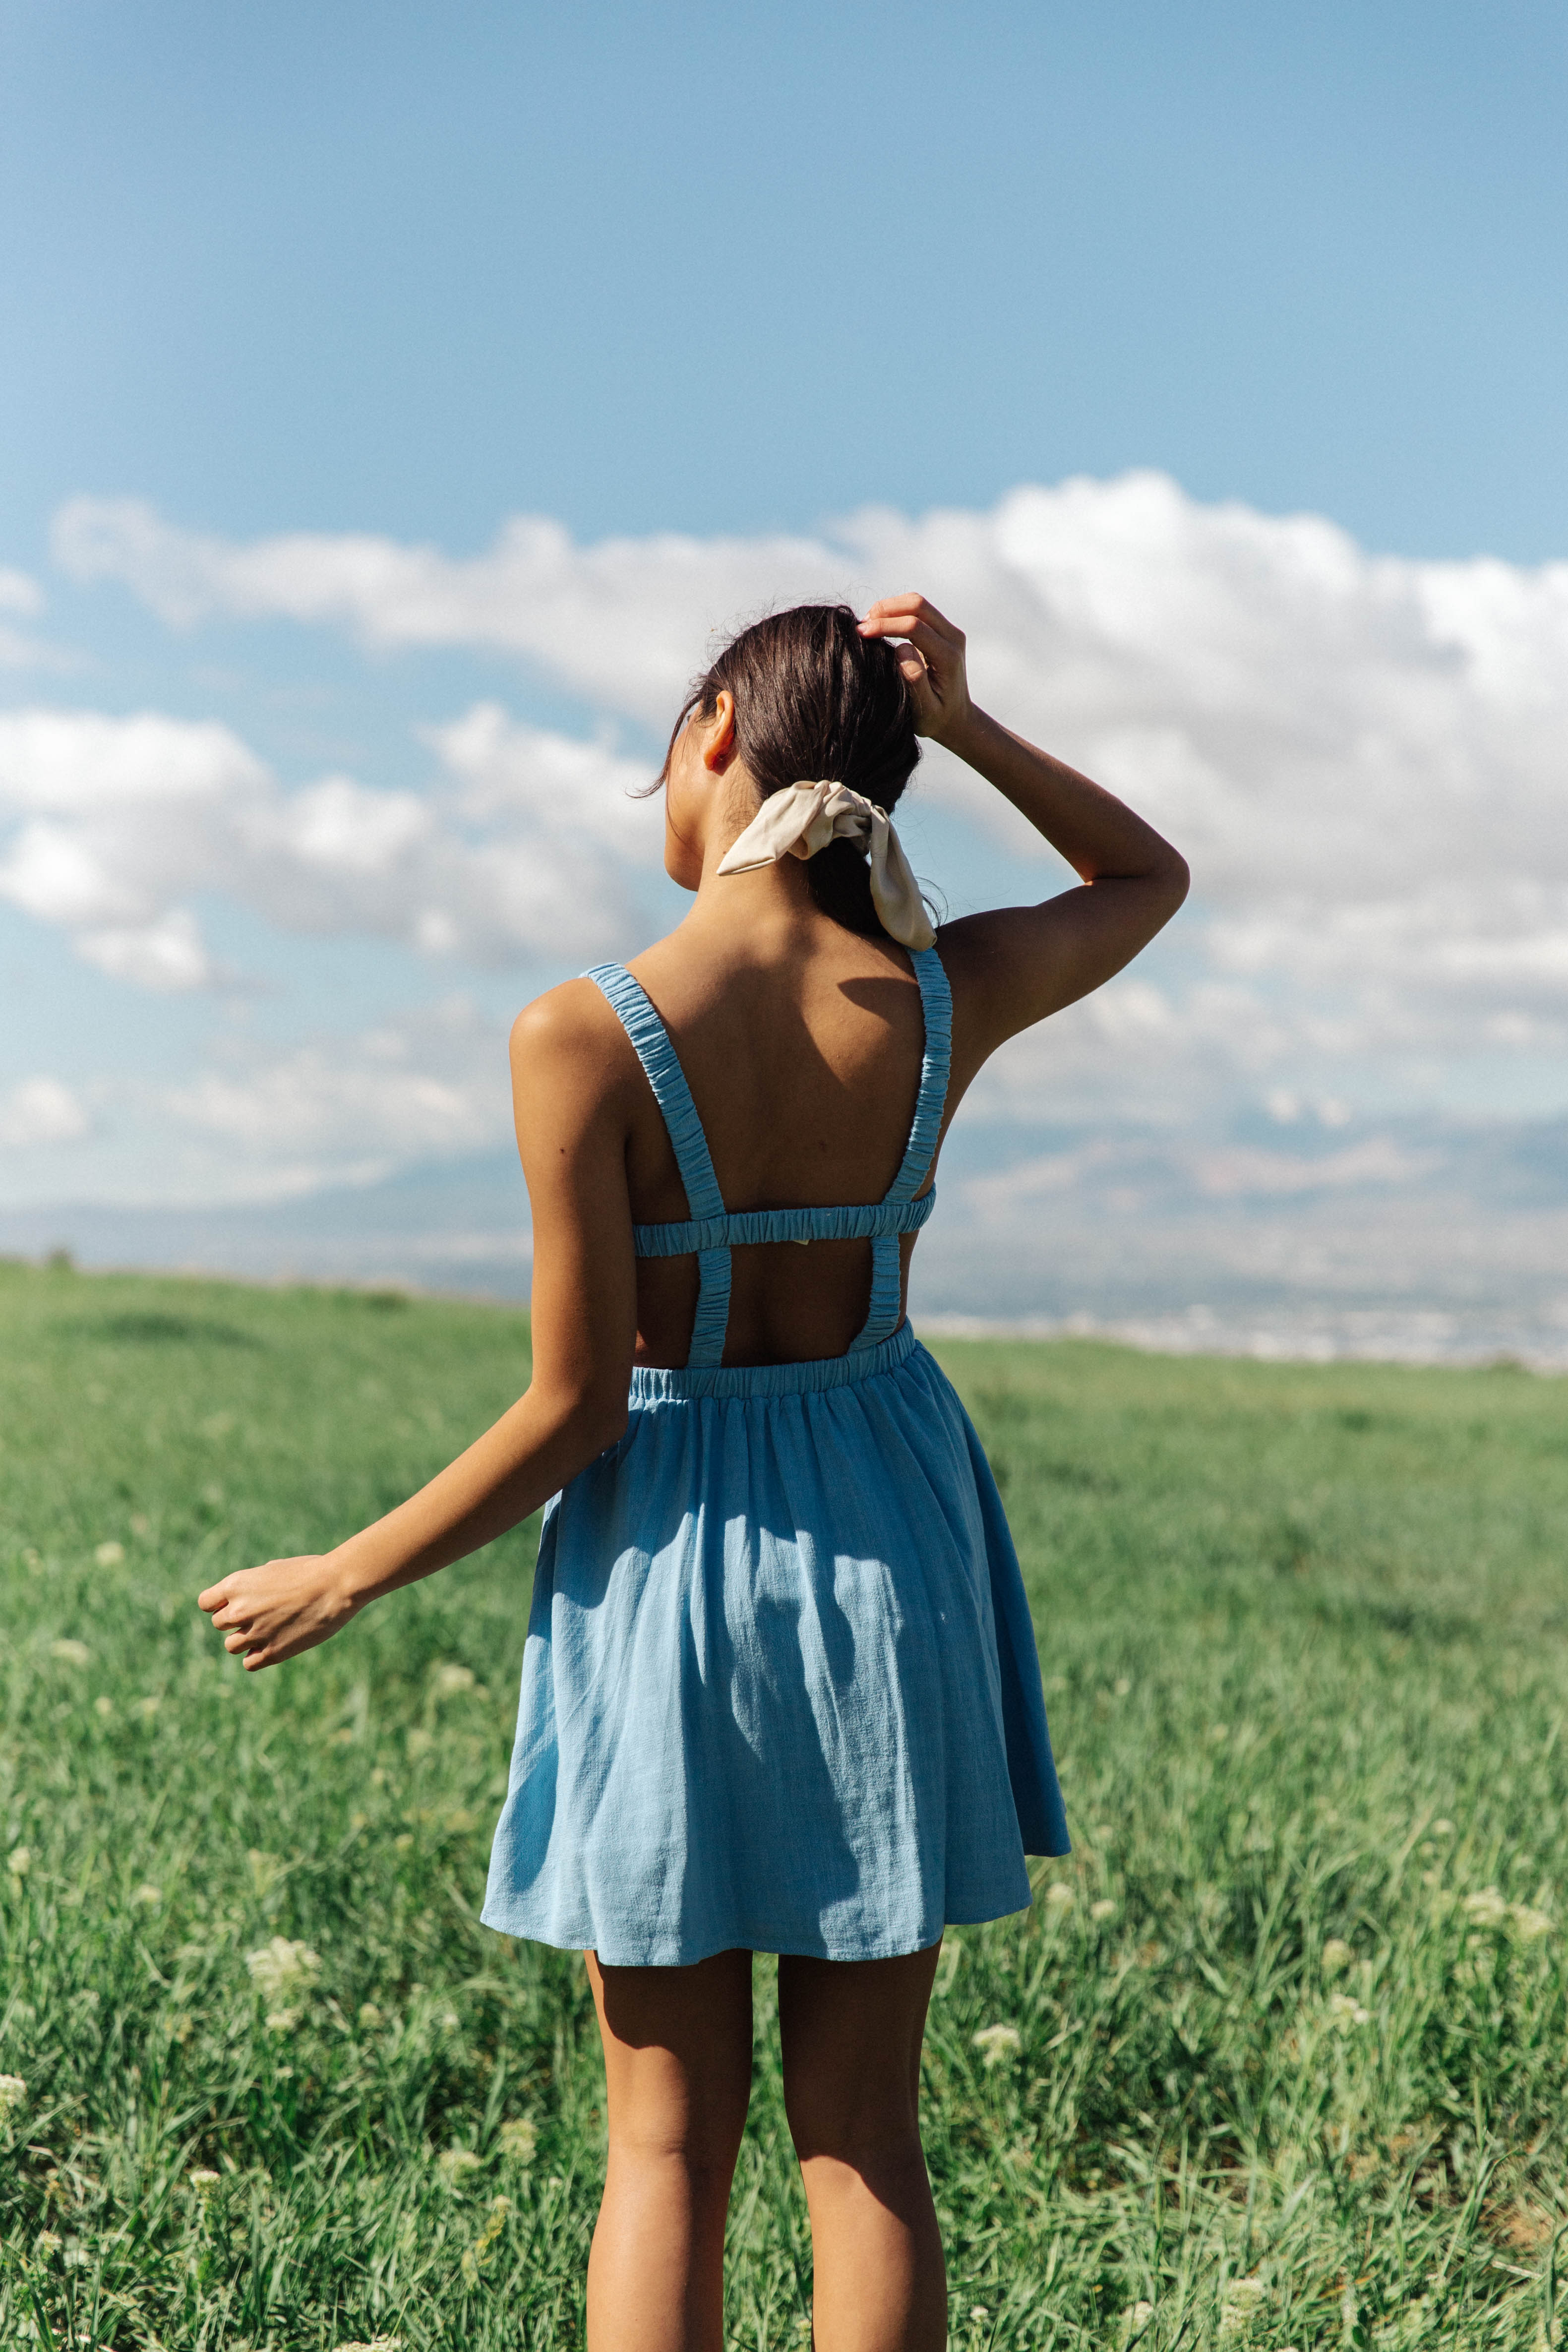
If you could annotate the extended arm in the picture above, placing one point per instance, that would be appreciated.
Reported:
(570, 1134)
(1016, 964)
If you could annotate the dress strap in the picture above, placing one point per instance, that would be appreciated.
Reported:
(936, 1003)
(661, 1066)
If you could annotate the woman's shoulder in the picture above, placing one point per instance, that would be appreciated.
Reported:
(571, 1027)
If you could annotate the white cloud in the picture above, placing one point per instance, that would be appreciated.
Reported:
(267, 1126)
(21, 596)
(623, 622)
(18, 593)
(1362, 755)
(39, 1111)
(167, 955)
(527, 846)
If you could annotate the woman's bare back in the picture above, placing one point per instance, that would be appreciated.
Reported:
(805, 1071)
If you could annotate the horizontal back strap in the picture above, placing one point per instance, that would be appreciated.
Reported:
(751, 1226)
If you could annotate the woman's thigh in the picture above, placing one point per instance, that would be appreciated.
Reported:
(851, 2033)
(677, 2055)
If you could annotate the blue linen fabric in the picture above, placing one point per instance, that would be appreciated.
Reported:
(780, 1689)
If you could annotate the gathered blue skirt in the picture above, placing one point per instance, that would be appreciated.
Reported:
(780, 1689)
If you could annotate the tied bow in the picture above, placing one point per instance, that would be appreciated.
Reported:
(803, 818)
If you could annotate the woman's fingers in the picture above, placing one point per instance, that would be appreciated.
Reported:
(941, 655)
(272, 1612)
(889, 613)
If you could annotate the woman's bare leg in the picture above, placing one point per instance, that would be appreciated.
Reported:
(678, 2070)
(851, 2032)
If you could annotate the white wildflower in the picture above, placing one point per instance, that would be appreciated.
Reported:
(518, 2140)
(454, 2162)
(202, 2179)
(72, 1653)
(1121, 1685)
(376, 2343)
(447, 1680)
(1059, 1895)
(1346, 2012)
(1104, 1909)
(1442, 1828)
(369, 2016)
(1238, 2301)
(110, 1555)
(19, 1860)
(1486, 1908)
(1138, 2316)
(103, 1706)
(995, 2042)
(147, 1892)
(1337, 1955)
(13, 2092)
(280, 1968)
(1528, 1924)
(46, 2243)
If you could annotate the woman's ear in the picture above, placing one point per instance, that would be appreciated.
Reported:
(718, 738)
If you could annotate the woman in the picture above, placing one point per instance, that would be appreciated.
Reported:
(780, 1690)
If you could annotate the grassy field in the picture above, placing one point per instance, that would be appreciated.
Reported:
(1279, 2058)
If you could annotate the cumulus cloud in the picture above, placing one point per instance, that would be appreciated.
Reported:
(622, 621)
(526, 847)
(39, 1111)
(1360, 754)
(433, 1086)
(21, 598)
(19, 593)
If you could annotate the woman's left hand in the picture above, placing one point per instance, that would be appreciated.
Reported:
(931, 660)
(272, 1612)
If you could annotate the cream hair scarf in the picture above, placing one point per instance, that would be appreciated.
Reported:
(803, 818)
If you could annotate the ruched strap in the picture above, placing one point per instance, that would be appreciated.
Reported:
(651, 1042)
(936, 1003)
(746, 1228)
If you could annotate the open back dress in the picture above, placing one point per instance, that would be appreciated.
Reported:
(780, 1689)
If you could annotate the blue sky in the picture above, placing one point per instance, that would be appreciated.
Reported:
(408, 268)
(793, 285)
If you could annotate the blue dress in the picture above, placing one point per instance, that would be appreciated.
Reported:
(780, 1689)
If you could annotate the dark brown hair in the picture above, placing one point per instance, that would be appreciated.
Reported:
(814, 697)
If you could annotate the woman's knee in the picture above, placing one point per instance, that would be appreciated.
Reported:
(702, 2134)
(864, 2123)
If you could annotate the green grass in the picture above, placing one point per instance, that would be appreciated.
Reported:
(1304, 1632)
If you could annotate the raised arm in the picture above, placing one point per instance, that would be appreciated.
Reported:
(570, 1103)
(1016, 964)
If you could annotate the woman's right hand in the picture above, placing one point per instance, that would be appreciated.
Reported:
(932, 661)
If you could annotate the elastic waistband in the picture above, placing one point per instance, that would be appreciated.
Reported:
(654, 1386)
